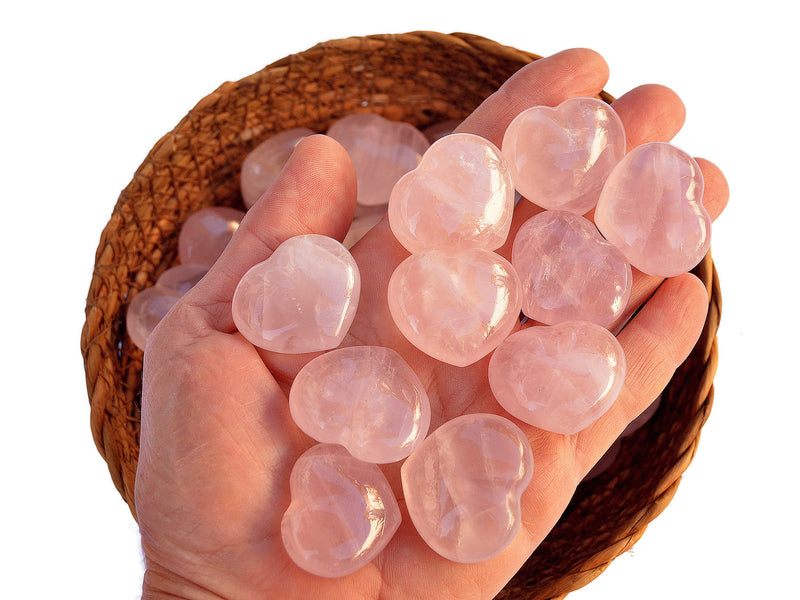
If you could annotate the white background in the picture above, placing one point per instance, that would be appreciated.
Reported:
(87, 89)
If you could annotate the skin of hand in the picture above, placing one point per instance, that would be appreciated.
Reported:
(218, 443)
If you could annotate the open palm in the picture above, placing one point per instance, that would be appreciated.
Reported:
(218, 443)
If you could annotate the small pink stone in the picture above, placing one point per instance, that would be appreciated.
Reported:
(303, 298)
(460, 196)
(382, 152)
(560, 378)
(559, 157)
(606, 461)
(343, 512)
(568, 271)
(365, 398)
(455, 307)
(642, 419)
(652, 209)
(146, 310)
(361, 227)
(264, 163)
(205, 234)
(182, 278)
(463, 485)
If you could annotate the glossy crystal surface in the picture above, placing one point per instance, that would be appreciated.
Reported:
(146, 310)
(365, 398)
(560, 157)
(182, 278)
(462, 486)
(342, 514)
(568, 271)
(560, 378)
(303, 298)
(652, 209)
(206, 233)
(460, 196)
(455, 307)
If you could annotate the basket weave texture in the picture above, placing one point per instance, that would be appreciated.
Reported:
(422, 78)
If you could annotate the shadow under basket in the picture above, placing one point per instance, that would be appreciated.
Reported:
(422, 78)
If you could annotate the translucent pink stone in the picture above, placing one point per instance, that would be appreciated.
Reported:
(460, 196)
(462, 486)
(360, 227)
(560, 378)
(264, 163)
(365, 398)
(205, 234)
(652, 209)
(146, 310)
(382, 151)
(642, 419)
(559, 157)
(606, 461)
(342, 514)
(303, 298)
(568, 271)
(182, 278)
(455, 307)
(438, 130)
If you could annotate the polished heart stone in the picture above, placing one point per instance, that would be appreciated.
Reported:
(382, 152)
(560, 378)
(462, 486)
(342, 514)
(568, 271)
(455, 307)
(651, 208)
(182, 278)
(360, 227)
(560, 157)
(365, 398)
(206, 233)
(263, 164)
(303, 298)
(460, 196)
(146, 310)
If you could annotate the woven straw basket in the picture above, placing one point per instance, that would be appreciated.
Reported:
(422, 78)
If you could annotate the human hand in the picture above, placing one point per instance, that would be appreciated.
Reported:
(217, 442)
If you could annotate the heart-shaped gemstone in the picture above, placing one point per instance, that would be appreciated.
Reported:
(303, 298)
(560, 378)
(568, 271)
(559, 157)
(365, 398)
(382, 151)
(652, 209)
(462, 486)
(206, 233)
(455, 307)
(460, 196)
(342, 514)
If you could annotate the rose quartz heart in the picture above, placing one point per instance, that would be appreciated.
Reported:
(182, 278)
(559, 157)
(303, 298)
(652, 209)
(360, 227)
(342, 514)
(568, 271)
(560, 378)
(382, 152)
(146, 310)
(455, 307)
(365, 398)
(264, 163)
(460, 196)
(206, 233)
(462, 486)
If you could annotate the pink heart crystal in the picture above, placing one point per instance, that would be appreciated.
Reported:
(146, 310)
(303, 298)
(205, 234)
(365, 398)
(264, 163)
(182, 278)
(455, 307)
(559, 157)
(360, 227)
(652, 209)
(382, 152)
(560, 378)
(342, 514)
(460, 196)
(462, 486)
(568, 271)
